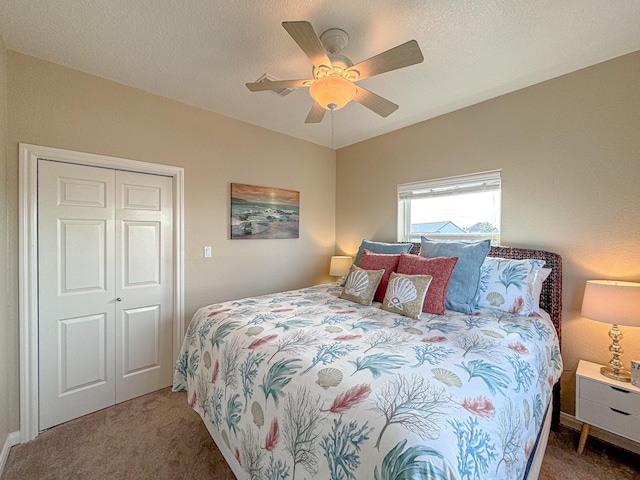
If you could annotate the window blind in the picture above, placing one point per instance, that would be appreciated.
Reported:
(477, 182)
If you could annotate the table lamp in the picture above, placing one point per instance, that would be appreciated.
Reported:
(617, 303)
(339, 265)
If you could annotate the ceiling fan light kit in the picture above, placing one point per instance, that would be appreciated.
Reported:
(332, 92)
(334, 75)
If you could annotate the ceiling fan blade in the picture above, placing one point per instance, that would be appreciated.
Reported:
(308, 41)
(316, 114)
(375, 103)
(276, 85)
(398, 57)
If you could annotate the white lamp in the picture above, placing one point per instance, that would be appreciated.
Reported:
(617, 303)
(339, 265)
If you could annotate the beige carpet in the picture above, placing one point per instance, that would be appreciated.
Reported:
(158, 436)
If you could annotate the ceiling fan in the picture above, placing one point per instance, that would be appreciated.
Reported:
(334, 75)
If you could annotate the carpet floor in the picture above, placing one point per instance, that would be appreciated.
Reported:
(158, 436)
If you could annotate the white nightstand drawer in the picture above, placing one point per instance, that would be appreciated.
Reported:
(614, 396)
(614, 421)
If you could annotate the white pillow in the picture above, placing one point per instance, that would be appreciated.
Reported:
(536, 288)
(510, 285)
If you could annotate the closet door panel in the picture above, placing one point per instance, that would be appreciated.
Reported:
(144, 283)
(76, 285)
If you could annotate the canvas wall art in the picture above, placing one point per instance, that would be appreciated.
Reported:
(264, 212)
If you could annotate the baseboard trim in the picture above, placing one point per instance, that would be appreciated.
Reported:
(572, 422)
(12, 439)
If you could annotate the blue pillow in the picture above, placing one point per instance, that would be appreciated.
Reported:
(463, 286)
(380, 247)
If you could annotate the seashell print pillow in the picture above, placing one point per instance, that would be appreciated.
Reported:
(361, 285)
(405, 294)
(510, 285)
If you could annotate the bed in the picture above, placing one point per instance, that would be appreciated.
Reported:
(304, 384)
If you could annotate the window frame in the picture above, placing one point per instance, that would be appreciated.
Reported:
(470, 183)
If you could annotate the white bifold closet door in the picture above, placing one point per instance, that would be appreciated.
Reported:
(105, 281)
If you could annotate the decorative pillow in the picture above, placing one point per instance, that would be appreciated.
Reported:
(380, 247)
(508, 285)
(361, 285)
(439, 268)
(461, 294)
(542, 275)
(380, 261)
(405, 294)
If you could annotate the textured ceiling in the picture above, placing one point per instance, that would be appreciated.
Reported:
(202, 52)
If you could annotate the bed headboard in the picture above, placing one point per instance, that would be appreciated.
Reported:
(551, 295)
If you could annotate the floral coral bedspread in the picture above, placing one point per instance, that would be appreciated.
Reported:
(303, 384)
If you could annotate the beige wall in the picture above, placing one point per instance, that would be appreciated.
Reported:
(54, 106)
(6, 340)
(569, 150)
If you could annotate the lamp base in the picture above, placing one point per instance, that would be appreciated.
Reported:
(621, 376)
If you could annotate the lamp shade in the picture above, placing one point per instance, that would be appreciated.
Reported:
(332, 92)
(612, 302)
(340, 265)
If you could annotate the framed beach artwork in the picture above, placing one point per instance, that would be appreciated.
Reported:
(264, 212)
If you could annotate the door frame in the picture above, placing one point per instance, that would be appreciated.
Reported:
(28, 261)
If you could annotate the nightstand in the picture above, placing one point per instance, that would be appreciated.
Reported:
(608, 404)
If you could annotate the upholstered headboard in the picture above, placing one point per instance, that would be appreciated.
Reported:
(551, 295)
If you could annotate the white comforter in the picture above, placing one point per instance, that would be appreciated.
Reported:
(303, 384)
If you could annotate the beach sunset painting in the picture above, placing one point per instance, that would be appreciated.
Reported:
(264, 212)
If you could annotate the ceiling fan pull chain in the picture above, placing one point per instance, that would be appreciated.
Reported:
(333, 147)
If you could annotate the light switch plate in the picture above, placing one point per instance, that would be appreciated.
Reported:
(207, 252)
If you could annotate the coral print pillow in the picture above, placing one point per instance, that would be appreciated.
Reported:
(509, 285)
(361, 285)
(405, 294)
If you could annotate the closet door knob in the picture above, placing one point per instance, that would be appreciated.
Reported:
(118, 299)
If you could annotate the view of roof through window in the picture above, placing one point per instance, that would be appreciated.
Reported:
(456, 214)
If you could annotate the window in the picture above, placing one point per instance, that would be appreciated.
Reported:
(465, 207)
